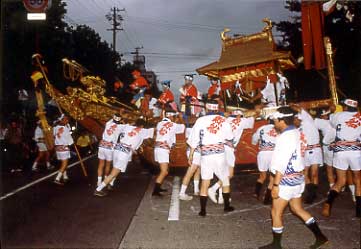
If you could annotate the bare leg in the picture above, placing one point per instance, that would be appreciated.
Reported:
(113, 174)
(314, 174)
(330, 175)
(278, 208)
(163, 173)
(310, 222)
(190, 172)
(64, 165)
(160, 178)
(307, 176)
(297, 209)
(107, 167)
(101, 167)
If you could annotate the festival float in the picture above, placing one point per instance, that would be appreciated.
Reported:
(246, 65)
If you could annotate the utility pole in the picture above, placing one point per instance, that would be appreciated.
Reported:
(137, 60)
(116, 19)
(137, 52)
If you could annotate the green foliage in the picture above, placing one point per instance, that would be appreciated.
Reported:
(54, 39)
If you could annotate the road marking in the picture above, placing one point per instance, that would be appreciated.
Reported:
(40, 179)
(174, 200)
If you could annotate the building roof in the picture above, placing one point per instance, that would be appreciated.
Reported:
(247, 52)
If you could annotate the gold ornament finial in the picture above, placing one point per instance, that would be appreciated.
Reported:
(268, 24)
(223, 34)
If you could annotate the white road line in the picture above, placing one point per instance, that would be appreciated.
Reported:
(40, 179)
(174, 201)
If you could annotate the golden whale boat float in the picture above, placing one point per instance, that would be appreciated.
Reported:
(247, 60)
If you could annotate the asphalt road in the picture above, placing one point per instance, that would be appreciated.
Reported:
(45, 215)
(49, 216)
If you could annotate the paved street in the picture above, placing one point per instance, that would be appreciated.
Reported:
(48, 216)
(248, 227)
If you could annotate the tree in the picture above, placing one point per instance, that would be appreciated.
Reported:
(54, 39)
(345, 36)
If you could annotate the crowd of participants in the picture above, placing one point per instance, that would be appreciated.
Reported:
(291, 151)
(23, 146)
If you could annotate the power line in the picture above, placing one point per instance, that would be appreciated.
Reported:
(179, 54)
(132, 30)
(185, 24)
(176, 55)
(129, 39)
(99, 6)
(85, 6)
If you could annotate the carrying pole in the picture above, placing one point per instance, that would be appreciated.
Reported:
(330, 69)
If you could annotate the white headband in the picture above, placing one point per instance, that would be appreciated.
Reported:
(276, 115)
(116, 118)
(61, 117)
(350, 103)
(188, 77)
(171, 114)
(237, 112)
(213, 107)
(324, 112)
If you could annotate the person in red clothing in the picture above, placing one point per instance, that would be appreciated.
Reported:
(189, 94)
(214, 89)
(139, 84)
(167, 97)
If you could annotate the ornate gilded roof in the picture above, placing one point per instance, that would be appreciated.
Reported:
(246, 52)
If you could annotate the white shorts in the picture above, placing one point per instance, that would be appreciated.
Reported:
(196, 158)
(63, 155)
(105, 154)
(121, 159)
(264, 160)
(230, 157)
(327, 155)
(313, 156)
(161, 155)
(345, 159)
(290, 192)
(214, 164)
(42, 147)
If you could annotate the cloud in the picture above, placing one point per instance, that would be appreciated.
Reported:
(185, 27)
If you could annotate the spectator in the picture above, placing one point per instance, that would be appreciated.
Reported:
(14, 143)
(23, 98)
(84, 143)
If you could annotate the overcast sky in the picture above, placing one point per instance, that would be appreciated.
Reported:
(178, 36)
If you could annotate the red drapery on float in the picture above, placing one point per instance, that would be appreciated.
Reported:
(312, 35)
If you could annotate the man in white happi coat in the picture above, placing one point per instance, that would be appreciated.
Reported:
(265, 137)
(323, 124)
(165, 139)
(313, 155)
(62, 141)
(42, 148)
(193, 170)
(212, 133)
(105, 152)
(238, 124)
(128, 141)
(347, 153)
(287, 165)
